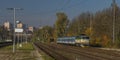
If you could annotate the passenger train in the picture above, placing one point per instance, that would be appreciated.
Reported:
(82, 40)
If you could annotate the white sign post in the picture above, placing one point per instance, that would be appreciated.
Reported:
(19, 30)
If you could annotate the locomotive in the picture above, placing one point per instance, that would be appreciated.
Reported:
(81, 40)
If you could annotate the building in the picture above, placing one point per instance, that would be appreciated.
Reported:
(7, 25)
(40, 27)
(20, 25)
(31, 28)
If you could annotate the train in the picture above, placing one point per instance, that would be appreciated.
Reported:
(81, 40)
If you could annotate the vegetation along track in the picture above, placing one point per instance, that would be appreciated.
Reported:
(86, 53)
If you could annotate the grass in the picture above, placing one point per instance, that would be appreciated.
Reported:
(21, 53)
(7, 48)
(26, 46)
(25, 51)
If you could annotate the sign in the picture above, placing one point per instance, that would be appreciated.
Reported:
(18, 30)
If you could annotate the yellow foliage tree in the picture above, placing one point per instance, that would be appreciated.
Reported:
(105, 40)
(88, 31)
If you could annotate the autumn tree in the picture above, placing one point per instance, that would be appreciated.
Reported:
(61, 24)
(80, 24)
(47, 33)
(101, 30)
(44, 34)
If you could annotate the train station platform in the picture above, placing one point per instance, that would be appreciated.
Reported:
(26, 52)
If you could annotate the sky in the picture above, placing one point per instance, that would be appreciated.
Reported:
(43, 12)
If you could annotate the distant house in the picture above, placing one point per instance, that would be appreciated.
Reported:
(7, 25)
(20, 25)
(31, 29)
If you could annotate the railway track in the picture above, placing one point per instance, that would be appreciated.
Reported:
(51, 52)
(3, 44)
(95, 53)
(77, 53)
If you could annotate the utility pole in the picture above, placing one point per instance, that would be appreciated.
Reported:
(90, 26)
(114, 15)
(14, 31)
(14, 18)
(90, 17)
(26, 32)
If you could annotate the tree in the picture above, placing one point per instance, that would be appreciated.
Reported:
(118, 40)
(61, 24)
(102, 26)
(80, 24)
(45, 34)
(4, 34)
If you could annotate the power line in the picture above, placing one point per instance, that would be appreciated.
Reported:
(78, 4)
(65, 6)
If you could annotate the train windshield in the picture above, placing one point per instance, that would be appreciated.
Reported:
(82, 37)
(85, 37)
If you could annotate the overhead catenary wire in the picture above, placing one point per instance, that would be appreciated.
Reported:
(65, 4)
(75, 5)
(64, 7)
